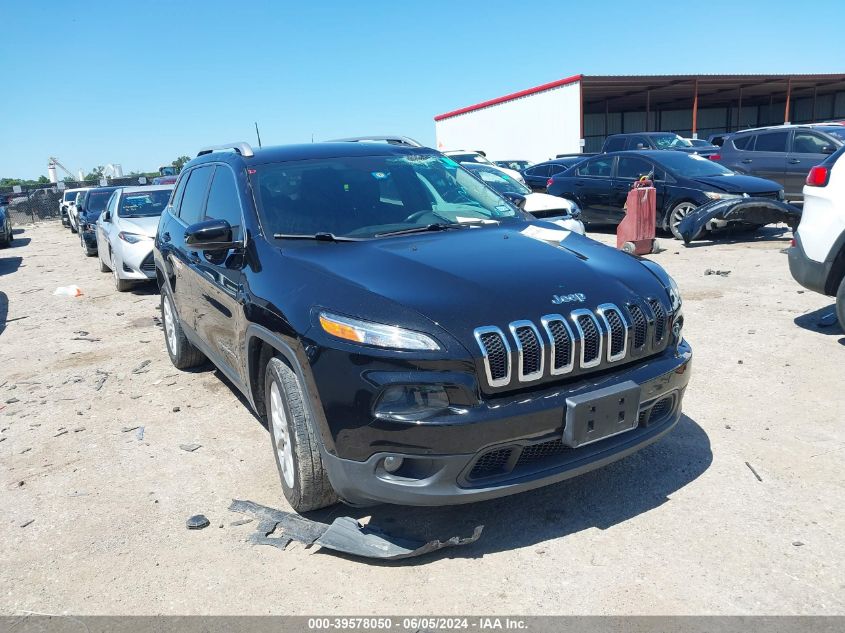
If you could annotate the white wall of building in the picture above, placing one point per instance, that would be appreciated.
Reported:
(536, 127)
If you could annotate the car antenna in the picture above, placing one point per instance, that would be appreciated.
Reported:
(258, 134)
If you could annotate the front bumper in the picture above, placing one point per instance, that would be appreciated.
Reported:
(807, 272)
(134, 261)
(520, 436)
(89, 237)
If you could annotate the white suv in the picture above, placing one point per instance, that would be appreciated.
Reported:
(817, 256)
(464, 156)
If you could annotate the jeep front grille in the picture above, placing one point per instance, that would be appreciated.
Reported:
(497, 355)
(659, 319)
(582, 340)
(529, 350)
(640, 325)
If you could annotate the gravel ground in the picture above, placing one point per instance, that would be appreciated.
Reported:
(737, 511)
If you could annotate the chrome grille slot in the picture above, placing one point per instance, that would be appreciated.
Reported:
(617, 331)
(497, 355)
(640, 325)
(529, 349)
(659, 319)
(591, 337)
(562, 350)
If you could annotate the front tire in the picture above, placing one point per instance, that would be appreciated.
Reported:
(182, 352)
(840, 303)
(295, 445)
(678, 213)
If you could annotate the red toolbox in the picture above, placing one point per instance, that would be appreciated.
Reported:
(635, 233)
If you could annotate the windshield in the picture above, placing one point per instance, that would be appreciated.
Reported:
(470, 157)
(669, 141)
(838, 132)
(692, 165)
(69, 195)
(96, 202)
(499, 180)
(518, 165)
(143, 204)
(366, 196)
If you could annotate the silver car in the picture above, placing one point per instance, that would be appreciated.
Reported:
(125, 233)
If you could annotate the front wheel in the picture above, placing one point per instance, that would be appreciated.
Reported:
(295, 445)
(182, 352)
(840, 304)
(678, 213)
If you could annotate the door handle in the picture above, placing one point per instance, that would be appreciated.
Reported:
(578, 183)
(794, 161)
(746, 160)
(165, 237)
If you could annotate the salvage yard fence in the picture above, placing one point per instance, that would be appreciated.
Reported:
(38, 203)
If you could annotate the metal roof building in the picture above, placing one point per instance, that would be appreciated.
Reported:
(576, 113)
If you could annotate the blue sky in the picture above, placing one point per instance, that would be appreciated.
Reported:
(142, 82)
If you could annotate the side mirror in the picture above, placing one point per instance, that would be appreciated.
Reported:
(106, 217)
(211, 235)
(516, 198)
(828, 149)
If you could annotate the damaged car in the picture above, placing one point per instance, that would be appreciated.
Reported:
(410, 335)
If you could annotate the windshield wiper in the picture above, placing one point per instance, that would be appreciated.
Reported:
(437, 226)
(320, 237)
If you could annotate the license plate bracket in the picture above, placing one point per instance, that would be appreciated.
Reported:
(599, 414)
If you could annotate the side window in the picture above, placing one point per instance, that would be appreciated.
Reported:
(638, 142)
(541, 171)
(616, 144)
(633, 167)
(111, 207)
(745, 143)
(599, 166)
(190, 209)
(176, 198)
(771, 142)
(555, 168)
(808, 143)
(223, 200)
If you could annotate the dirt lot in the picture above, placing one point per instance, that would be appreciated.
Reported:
(738, 510)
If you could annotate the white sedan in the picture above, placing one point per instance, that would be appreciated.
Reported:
(126, 230)
(460, 156)
(541, 205)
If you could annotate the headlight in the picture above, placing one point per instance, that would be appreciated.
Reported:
(411, 402)
(376, 334)
(674, 294)
(131, 238)
(717, 195)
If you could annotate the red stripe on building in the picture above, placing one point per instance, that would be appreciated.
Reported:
(516, 95)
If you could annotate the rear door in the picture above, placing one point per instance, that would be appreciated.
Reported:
(767, 159)
(594, 190)
(218, 280)
(807, 150)
(628, 170)
(105, 224)
(189, 208)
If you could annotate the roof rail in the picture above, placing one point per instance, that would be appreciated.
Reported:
(240, 147)
(390, 139)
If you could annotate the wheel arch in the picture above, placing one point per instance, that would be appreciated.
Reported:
(261, 345)
(837, 267)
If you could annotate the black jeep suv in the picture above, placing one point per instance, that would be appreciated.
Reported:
(411, 336)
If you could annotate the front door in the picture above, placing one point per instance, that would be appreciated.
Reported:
(219, 280)
(768, 158)
(628, 170)
(808, 149)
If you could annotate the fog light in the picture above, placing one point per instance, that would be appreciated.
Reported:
(409, 403)
(392, 463)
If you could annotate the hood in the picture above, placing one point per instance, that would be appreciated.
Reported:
(466, 278)
(142, 226)
(737, 183)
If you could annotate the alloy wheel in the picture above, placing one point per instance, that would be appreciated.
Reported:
(679, 213)
(281, 434)
(169, 321)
